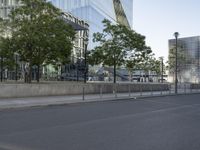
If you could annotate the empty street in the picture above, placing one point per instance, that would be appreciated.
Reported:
(161, 123)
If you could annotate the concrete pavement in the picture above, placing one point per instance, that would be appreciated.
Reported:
(7, 103)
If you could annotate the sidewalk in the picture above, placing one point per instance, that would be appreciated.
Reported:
(8, 103)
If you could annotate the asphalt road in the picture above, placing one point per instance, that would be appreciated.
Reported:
(162, 123)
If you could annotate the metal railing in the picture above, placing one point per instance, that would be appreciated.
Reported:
(129, 94)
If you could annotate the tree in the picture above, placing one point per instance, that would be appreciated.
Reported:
(158, 66)
(146, 60)
(40, 35)
(181, 60)
(115, 43)
(6, 49)
(133, 62)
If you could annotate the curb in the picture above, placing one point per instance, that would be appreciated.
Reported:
(64, 103)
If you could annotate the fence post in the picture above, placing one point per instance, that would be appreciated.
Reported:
(129, 90)
(185, 88)
(140, 90)
(115, 91)
(151, 90)
(83, 93)
(101, 92)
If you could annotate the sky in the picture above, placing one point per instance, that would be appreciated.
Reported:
(159, 19)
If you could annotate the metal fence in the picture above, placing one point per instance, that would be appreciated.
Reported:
(129, 94)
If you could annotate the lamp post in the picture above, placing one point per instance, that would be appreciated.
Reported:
(77, 69)
(85, 71)
(162, 69)
(176, 34)
(16, 66)
(1, 69)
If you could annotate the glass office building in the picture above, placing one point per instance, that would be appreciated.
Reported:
(188, 51)
(6, 6)
(94, 11)
(91, 13)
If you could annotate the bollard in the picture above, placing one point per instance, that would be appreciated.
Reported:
(101, 92)
(140, 90)
(161, 91)
(151, 90)
(185, 88)
(83, 93)
(170, 89)
(115, 91)
(129, 90)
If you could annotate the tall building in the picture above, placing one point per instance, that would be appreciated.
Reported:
(80, 26)
(95, 11)
(87, 13)
(6, 6)
(91, 11)
(188, 58)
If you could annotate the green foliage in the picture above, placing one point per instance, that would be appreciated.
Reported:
(120, 46)
(157, 65)
(115, 44)
(6, 49)
(181, 59)
(7, 54)
(39, 34)
(145, 58)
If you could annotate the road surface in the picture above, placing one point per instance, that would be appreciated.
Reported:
(159, 123)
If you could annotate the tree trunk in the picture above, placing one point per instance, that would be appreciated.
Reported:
(114, 67)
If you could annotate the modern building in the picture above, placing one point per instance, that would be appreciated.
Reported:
(188, 58)
(89, 13)
(6, 6)
(80, 26)
(95, 11)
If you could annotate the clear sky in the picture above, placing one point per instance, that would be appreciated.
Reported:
(159, 19)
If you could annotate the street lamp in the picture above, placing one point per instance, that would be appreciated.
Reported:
(77, 68)
(16, 66)
(85, 71)
(162, 69)
(176, 34)
(1, 69)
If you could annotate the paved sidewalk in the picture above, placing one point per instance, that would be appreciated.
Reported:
(7, 103)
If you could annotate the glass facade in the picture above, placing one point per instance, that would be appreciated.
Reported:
(94, 11)
(91, 12)
(188, 59)
(6, 6)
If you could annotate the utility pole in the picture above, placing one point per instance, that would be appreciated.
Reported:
(16, 68)
(1, 69)
(86, 67)
(176, 34)
(162, 69)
